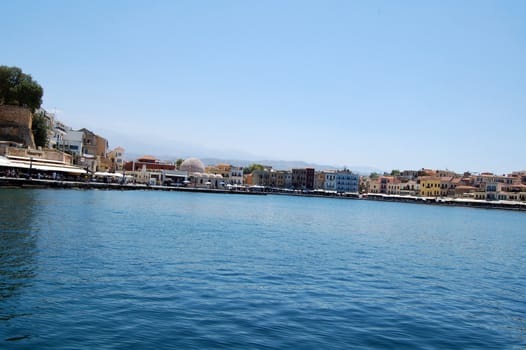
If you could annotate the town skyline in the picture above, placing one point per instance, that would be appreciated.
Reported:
(384, 85)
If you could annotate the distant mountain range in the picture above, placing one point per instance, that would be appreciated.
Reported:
(289, 164)
(275, 164)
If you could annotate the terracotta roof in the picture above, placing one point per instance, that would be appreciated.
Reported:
(429, 171)
(465, 188)
(425, 178)
(148, 157)
(446, 178)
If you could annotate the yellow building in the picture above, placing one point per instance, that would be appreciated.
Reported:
(430, 186)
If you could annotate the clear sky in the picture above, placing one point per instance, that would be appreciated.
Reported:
(387, 84)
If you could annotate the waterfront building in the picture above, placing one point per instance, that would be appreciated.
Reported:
(480, 195)
(447, 186)
(247, 179)
(521, 175)
(94, 144)
(275, 178)
(384, 182)
(150, 170)
(465, 191)
(346, 181)
(57, 134)
(231, 175)
(484, 178)
(407, 175)
(205, 180)
(319, 179)
(303, 179)
(94, 149)
(493, 190)
(261, 177)
(116, 159)
(281, 180)
(236, 175)
(373, 186)
(329, 180)
(72, 142)
(409, 188)
(430, 186)
(287, 179)
(393, 187)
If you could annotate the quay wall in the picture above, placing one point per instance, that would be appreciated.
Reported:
(36, 183)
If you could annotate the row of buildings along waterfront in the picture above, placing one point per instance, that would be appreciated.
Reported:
(86, 155)
(192, 172)
(424, 182)
(444, 183)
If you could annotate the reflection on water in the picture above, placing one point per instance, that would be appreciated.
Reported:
(18, 244)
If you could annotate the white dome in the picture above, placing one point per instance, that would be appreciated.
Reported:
(193, 165)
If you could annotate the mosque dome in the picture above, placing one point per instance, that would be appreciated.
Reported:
(193, 165)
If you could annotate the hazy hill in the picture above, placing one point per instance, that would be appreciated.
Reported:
(275, 164)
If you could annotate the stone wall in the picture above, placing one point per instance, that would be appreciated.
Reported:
(37, 155)
(15, 125)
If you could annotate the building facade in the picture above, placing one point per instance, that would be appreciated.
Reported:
(303, 179)
(346, 181)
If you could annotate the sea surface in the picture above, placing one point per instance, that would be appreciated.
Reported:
(171, 270)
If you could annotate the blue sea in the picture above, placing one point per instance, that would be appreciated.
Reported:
(172, 270)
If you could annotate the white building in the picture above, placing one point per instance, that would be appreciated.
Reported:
(236, 175)
(329, 183)
(72, 142)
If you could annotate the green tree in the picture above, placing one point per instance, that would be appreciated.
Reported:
(249, 169)
(179, 162)
(40, 129)
(19, 89)
(395, 172)
(374, 175)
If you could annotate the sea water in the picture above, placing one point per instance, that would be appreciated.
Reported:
(173, 270)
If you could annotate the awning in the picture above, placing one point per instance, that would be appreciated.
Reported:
(40, 166)
(70, 170)
(103, 173)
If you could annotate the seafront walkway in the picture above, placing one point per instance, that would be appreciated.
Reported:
(17, 182)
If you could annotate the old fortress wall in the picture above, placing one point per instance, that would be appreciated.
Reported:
(15, 125)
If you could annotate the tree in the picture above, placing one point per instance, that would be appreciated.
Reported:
(395, 172)
(374, 175)
(19, 89)
(179, 162)
(40, 129)
(249, 169)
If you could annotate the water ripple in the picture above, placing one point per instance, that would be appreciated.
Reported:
(120, 270)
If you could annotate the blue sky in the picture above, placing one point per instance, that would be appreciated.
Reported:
(387, 84)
